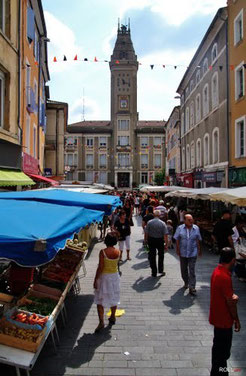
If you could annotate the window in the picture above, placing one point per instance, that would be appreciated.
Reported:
(238, 28)
(89, 176)
(183, 159)
(75, 159)
(123, 125)
(216, 145)
(205, 65)
(123, 140)
(102, 142)
(215, 90)
(2, 99)
(198, 153)
(192, 122)
(192, 154)
(124, 159)
(28, 83)
(144, 142)
(27, 135)
(144, 178)
(2, 15)
(103, 177)
(240, 137)
(36, 46)
(198, 76)
(90, 142)
(198, 108)
(144, 160)
(239, 81)
(191, 85)
(214, 52)
(187, 119)
(182, 124)
(188, 157)
(102, 160)
(34, 141)
(182, 99)
(30, 24)
(89, 160)
(206, 150)
(157, 160)
(205, 100)
(70, 159)
(186, 93)
(157, 142)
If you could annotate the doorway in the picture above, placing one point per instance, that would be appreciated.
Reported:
(123, 179)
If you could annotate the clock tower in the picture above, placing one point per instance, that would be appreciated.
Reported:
(124, 116)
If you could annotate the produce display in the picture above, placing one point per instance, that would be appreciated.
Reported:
(29, 318)
(25, 334)
(42, 306)
(76, 244)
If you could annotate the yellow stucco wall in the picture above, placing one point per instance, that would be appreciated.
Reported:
(237, 54)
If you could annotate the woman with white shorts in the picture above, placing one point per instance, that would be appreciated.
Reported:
(123, 229)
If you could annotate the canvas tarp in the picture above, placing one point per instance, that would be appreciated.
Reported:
(235, 196)
(196, 194)
(24, 223)
(64, 197)
(160, 188)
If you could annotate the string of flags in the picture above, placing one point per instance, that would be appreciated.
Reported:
(152, 66)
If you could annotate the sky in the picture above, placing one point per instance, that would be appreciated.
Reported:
(163, 33)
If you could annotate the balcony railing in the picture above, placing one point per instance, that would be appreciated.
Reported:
(102, 166)
(89, 167)
(157, 167)
(157, 146)
(144, 165)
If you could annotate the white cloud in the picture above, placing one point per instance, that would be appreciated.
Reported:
(176, 11)
(62, 42)
(91, 110)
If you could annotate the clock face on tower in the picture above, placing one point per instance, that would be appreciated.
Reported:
(124, 102)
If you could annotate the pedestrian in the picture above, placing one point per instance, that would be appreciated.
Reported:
(163, 210)
(182, 213)
(149, 215)
(223, 232)
(156, 234)
(123, 229)
(137, 204)
(188, 246)
(170, 233)
(223, 312)
(128, 209)
(238, 235)
(107, 281)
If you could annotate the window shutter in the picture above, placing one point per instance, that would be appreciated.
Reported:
(30, 25)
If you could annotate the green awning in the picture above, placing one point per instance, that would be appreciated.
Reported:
(11, 177)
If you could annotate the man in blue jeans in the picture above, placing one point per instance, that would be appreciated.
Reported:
(188, 246)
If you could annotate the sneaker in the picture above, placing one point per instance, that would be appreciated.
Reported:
(163, 274)
(192, 292)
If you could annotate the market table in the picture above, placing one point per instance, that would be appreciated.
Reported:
(22, 359)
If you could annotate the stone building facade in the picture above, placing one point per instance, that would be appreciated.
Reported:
(124, 151)
(204, 111)
(173, 146)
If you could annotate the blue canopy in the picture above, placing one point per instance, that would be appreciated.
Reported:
(63, 197)
(24, 223)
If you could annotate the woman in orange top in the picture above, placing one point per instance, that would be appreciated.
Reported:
(107, 281)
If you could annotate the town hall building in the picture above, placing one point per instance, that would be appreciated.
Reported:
(123, 151)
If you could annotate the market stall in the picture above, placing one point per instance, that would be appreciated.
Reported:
(234, 196)
(160, 188)
(37, 234)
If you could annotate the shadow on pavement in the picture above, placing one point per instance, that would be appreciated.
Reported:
(179, 301)
(141, 265)
(147, 284)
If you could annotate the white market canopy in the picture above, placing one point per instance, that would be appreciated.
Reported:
(197, 193)
(160, 188)
(235, 196)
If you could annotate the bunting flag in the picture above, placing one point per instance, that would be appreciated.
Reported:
(152, 66)
(36, 63)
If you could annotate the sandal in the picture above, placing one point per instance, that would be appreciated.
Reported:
(99, 328)
(112, 320)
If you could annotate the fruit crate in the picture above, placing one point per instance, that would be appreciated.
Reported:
(13, 311)
(20, 343)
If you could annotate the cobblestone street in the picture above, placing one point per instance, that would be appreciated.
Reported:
(164, 330)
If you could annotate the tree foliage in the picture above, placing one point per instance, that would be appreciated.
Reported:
(160, 177)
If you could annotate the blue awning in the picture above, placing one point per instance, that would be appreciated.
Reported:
(24, 224)
(104, 203)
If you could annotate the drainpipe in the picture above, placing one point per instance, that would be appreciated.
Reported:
(227, 104)
(19, 75)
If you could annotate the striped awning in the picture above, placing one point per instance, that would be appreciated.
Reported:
(12, 178)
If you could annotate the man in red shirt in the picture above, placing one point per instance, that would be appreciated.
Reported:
(223, 312)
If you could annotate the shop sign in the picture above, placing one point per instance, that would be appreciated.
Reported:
(220, 176)
(188, 180)
(209, 177)
(171, 171)
(198, 175)
(237, 176)
(30, 164)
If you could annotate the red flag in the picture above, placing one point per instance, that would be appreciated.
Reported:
(54, 60)
(76, 57)
(117, 62)
(36, 63)
(232, 67)
(210, 67)
(95, 59)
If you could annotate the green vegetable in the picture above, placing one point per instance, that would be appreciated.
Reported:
(41, 306)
